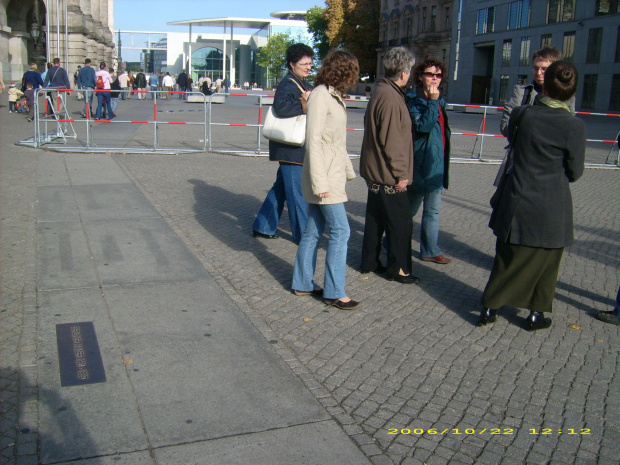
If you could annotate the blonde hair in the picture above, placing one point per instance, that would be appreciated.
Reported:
(33, 67)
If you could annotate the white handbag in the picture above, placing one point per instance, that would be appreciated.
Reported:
(291, 131)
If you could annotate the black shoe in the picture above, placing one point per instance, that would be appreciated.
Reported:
(537, 320)
(488, 315)
(314, 292)
(379, 270)
(409, 279)
(350, 305)
(264, 236)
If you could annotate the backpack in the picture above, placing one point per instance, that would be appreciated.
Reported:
(100, 82)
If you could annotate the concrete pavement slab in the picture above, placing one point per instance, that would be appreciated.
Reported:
(140, 250)
(93, 169)
(134, 458)
(93, 419)
(312, 444)
(112, 201)
(200, 370)
(63, 257)
(57, 203)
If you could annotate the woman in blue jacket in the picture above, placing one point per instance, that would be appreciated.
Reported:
(431, 151)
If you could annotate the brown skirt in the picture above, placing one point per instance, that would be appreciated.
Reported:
(523, 277)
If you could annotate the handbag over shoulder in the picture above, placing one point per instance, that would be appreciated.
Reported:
(291, 131)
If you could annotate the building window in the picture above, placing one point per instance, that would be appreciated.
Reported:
(588, 100)
(524, 55)
(618, 46)
(506, 52)
(522, 79)
(595, 39)
(433, 18)
(614, 101)
(559, 11)
(486, 20)
(607, 7)
(545, 39)
(568, 47)
(503, 87)
(448, 19)
(423, 19)
(519, 14)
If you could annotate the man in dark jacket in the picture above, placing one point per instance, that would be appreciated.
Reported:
(57, 78)
(141, 85)
(182, 83)
(87, 82)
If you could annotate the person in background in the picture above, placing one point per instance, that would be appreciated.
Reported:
(182, 82)
(431, 154)
(115, 88)
(56, 78)
(131, 83)
(168, 84)
(47, 68)
(154, 84)
(525, 94)
(32, 78)
(104, 97)
(87, 82)
(612, 317)
(14, 95)
(80, 96)
(140, 83)
(290, 100)
(386, 164)
(123, 80)
(327, 168)
(29, 93)
(532, 214)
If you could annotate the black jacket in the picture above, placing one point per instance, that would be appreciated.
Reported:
(140, 82)
(286, 103)
(534, 206)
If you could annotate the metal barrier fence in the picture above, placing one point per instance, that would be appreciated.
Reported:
(54, 125)
(65, 128)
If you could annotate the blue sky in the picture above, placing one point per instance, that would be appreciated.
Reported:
(152, 15)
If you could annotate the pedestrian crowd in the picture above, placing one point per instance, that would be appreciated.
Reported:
(405, 160)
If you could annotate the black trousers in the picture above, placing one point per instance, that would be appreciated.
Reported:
(389, 213)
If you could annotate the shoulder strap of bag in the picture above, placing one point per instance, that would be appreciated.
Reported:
(517, 123)
(526, 95)
(297, 84)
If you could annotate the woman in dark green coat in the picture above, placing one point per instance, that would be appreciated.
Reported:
(532, 208)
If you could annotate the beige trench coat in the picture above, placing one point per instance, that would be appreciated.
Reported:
(327, 165)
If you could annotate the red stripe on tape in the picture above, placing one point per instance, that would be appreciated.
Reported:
(138, 122)
(239, 95)
(66, 120)
(237, 124)
(102, 121)
(470, 134)
(176, 122)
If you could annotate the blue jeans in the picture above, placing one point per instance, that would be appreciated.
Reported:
(114, 104)
(430, 219)
(88, 97)
(335, 217)
(286, 188)
(107, 97)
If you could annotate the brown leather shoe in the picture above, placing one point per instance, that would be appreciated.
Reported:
(441, 259)
(350, 305)
(314, 292)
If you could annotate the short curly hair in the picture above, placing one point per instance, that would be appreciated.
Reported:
(418, 69)
(340, 69)
(296, 52)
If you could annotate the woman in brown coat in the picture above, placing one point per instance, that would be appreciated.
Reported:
(532, 208)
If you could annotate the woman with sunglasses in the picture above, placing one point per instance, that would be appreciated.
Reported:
(431, 150)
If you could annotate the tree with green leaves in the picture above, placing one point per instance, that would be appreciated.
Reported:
(272, 56)
(317, 25)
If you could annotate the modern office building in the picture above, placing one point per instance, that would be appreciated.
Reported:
(215, 47)
(423, 26)
(493, 42)
(39, 30)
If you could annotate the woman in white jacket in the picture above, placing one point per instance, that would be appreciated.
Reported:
(327, 168)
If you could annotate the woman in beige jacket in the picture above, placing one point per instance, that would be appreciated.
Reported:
(327, 168)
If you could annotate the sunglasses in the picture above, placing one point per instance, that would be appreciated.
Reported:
(430, 75)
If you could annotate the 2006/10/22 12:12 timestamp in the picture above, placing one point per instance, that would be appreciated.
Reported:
(471, 431)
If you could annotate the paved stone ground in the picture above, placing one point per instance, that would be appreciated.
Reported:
(411, 359)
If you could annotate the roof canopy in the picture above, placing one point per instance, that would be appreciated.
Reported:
(243, 23)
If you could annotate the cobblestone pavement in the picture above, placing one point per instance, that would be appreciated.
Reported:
(409, 376)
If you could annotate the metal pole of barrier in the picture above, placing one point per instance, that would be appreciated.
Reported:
(204, 109)
(260, 121)
(484, 125)
(155, 138)
(210, 121)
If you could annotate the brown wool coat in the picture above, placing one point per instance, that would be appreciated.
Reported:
(387, 149)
